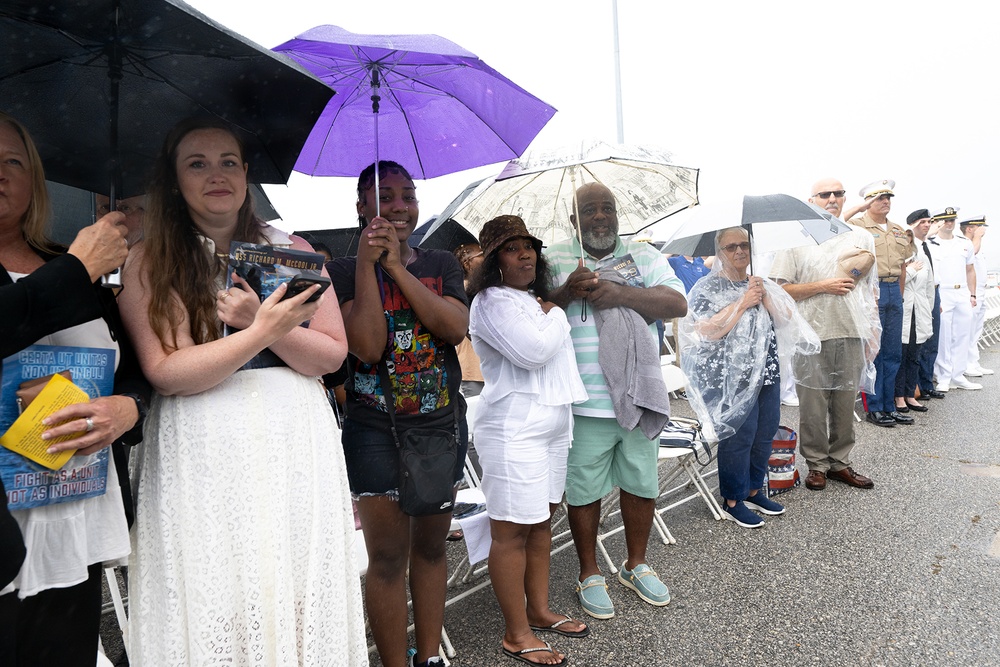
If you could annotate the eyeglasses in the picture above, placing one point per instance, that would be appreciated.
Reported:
(828, 193)
(733, 247)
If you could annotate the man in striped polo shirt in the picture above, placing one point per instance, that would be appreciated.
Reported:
(604, 454)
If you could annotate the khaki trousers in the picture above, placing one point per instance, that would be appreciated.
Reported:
(826, 417)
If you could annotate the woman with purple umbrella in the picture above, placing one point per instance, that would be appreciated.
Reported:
(405, 311)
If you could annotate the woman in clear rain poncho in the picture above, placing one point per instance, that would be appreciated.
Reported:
(735, 328)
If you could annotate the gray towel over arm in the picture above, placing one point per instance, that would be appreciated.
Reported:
(630, 360)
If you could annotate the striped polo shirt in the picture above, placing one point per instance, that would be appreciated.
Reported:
(564, 258)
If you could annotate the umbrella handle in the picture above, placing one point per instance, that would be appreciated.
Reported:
(583, 311)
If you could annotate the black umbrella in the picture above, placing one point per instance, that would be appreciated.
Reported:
(341, 242)
(73, 209)
(100, 82)
(446, 236)
(774, 222)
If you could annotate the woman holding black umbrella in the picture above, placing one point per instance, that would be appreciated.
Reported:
(50, 296)
(245, 536)
(736, 326)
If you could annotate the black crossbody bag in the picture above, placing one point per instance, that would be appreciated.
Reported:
(427, 459)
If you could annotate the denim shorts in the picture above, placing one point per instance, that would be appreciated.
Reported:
(373, 459)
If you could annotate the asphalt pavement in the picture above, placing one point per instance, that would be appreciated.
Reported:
(905, 574)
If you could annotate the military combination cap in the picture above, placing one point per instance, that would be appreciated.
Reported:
(876, 188)
(976, 220)
(946, 213)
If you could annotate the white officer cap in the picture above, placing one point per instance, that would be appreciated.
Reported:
(946, 213)
(876, 188)
(975, 220)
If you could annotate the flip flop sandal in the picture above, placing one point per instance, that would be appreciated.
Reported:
(519, 655)
(576, 634)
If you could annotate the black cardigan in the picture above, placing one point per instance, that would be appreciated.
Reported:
(60, 295)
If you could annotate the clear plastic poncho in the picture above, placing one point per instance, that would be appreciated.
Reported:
(728, 349)
(847, 324)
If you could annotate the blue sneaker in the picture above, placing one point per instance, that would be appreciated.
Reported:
(644, 581)
(741, 515)
(760, 502)
(593, 594)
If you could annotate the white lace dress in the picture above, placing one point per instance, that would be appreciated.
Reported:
(243, 551)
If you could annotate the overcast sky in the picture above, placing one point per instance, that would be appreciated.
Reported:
(763, 97)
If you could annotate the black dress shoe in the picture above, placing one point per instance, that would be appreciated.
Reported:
(899, 418)
(916, 407)
(933, 393)
(902, 409)
(881, 419)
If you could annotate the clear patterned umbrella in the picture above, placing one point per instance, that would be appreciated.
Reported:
(540, 186)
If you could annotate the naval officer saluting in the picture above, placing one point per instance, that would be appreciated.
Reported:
(954, 264)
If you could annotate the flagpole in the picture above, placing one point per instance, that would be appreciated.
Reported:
(618, 75)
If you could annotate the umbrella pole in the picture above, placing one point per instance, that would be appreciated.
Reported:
(114, 77)
(114, 278)
(579, 235)
(376, 98)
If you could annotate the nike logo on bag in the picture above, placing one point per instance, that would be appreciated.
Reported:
(445, 506)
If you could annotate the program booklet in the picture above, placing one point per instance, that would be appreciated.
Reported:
(264, 267)
(627, 269)
(30, 484)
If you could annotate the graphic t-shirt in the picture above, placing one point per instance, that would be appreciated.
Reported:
(417, 360)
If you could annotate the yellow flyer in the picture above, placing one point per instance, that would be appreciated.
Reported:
(25, 435)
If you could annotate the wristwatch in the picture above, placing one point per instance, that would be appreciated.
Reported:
(140, 406)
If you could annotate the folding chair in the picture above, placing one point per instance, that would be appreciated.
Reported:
(683, 442)
(473, 524)
(673, 376)
(118, 601)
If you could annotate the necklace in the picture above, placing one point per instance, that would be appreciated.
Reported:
(409, 256)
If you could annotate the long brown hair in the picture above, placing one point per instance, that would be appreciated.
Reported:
(176, 262)
(36, 218)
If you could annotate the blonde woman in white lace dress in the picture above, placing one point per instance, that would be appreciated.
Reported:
(243, 549)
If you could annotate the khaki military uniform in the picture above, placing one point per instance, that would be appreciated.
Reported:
(892, 247)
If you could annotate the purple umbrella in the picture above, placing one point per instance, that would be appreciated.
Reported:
(419, 100)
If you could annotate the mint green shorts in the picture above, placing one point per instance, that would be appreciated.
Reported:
(605, 455)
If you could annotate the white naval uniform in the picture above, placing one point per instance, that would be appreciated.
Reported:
(978, 313)
(951, 256)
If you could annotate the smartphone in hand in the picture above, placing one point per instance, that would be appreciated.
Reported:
(299, 284)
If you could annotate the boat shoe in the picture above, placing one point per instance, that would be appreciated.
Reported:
(593, 594)
(644, 581)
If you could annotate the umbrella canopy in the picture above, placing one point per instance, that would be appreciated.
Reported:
(341, 242)
(100, 82)
(447, 236)
(540, 188)
(419, 100)
(73, 209)
(775, 222)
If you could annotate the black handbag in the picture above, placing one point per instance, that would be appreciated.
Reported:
(427, 460)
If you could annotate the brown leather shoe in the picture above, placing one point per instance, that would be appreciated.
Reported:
(851, 478)
(816, 480)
